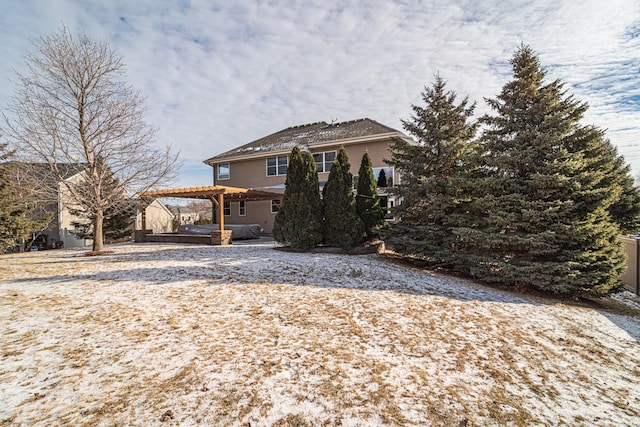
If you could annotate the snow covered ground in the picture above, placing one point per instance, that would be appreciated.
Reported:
(245, 335)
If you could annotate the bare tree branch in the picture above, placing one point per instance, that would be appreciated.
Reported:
(73, 107)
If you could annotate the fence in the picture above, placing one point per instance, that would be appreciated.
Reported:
(631, 275)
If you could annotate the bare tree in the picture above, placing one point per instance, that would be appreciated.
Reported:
(74, 109)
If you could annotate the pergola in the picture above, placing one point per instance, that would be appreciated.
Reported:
(217, 194)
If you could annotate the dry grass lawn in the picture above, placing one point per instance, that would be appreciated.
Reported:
(159, 334)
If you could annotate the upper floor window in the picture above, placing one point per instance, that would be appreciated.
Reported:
(224, 171)
(324, 160)
(277, 165)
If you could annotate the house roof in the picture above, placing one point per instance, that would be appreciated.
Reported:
(65, 170)
(163, 207)
(308, 135)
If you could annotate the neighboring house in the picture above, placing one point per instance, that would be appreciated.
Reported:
(64, 226)
(184, 215)
(262, 164)
(57, 233)
(158, 218)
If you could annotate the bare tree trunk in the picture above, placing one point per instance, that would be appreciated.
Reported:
(76, 116)
(98, 241)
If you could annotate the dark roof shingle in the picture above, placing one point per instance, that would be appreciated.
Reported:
(309, 134)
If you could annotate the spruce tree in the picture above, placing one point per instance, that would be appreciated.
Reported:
(117, 223)
(367, 200)
(539, 215)
(343, 226)
(17, 218)
(298, 223)
(430, 171)
(7, 207)
(625, 210)
(118, 217)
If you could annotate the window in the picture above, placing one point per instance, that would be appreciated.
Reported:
(224, 171)
(324, 160)
(242, 208)
(227, 208)
(383, 177)
(275, 205)
(277, 165)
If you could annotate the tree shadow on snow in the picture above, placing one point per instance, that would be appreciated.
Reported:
(250, 263)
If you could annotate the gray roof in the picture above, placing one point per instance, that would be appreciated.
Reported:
(43, 170)
(308, 135)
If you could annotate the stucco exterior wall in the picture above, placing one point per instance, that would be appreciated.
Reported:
(252, 173)
(258, 212)
(66, 218)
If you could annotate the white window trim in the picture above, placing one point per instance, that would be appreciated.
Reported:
(392, 175)
(266, 163)
(280, 207)
(224, 208)
(242, 205)
(324, 161)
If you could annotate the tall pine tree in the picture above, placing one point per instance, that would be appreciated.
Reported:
(430, 168)
(343, 226)
(367, 200)
(539, 216)
(17, 218)
(117, 223)
(299, 220)
(625, 210)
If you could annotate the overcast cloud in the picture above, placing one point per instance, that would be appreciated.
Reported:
(218, 74)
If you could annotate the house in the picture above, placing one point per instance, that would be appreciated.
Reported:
(62, 228)
(159, 218)
(262, 164)
(184, 215)
(60, 213)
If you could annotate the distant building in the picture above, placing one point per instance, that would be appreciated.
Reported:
(184, 215)
(158, 218)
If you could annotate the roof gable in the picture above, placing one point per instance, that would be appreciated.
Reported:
(308, 135)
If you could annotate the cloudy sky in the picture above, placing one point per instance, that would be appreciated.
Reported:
(218, 74)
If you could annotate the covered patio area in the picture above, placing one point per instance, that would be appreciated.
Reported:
(217, 194)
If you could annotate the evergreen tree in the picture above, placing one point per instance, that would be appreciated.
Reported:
(539, 216)
(17, 219)
(367, 200)
(299, 220)
(118, 217)
(430, 170)
(625, 210)
(343, 226)
(117, 223)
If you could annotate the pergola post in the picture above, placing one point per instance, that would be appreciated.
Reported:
(143, 214)
(140, 236)
(221, 236)
(214, 203)
(221, 211)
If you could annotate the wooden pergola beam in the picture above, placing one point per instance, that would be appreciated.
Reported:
(216, 193)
